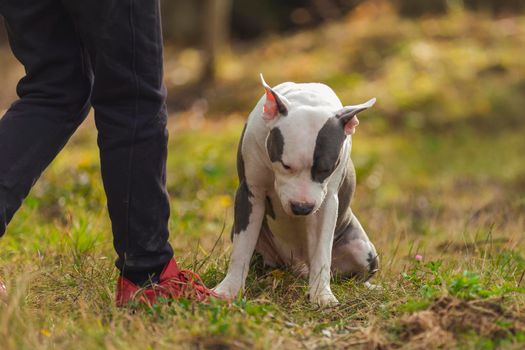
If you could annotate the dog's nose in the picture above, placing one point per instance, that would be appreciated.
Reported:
(301, 208)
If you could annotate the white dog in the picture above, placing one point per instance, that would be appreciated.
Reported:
(296, 183)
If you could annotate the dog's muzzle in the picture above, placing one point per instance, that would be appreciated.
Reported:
(301, 208)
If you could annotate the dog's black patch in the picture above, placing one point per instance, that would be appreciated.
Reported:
(327, 149)
(269, 208)
(242, 179)
(240, 160)
(345, 194)
(373, 263)
(275, 145)
(242, 207)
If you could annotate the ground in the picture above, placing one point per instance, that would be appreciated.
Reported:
(441, 192)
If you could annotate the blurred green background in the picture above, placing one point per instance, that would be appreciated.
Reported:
(430, 63)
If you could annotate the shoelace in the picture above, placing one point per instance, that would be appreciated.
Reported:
(194, 281)
(188, 284)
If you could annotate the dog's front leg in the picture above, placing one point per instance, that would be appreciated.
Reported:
(320, 242)
(249, 214)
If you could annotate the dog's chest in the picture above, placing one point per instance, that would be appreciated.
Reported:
(289, 233)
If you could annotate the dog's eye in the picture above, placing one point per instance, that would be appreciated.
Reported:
(287, 167)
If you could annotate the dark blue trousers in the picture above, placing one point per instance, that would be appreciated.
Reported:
(106, 54)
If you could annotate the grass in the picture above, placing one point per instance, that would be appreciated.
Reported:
(446, 183)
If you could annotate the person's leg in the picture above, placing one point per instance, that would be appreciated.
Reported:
(53, 95)
(125, 45)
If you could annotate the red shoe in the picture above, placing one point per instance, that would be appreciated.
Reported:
(173, 284)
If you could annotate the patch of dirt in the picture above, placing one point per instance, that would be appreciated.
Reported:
(438, 326)
(217, 343)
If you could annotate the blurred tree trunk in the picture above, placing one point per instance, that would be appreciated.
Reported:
(216, 32)
(415, 8)
(327, 9)
(179, 21)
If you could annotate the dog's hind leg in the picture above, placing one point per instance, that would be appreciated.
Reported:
(353, 255)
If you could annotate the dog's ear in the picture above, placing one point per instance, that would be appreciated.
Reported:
(275, 105)
(348, 115)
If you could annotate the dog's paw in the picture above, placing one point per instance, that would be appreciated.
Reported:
(324, 300)
(226, 290)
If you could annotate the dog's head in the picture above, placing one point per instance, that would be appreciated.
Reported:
(308, 130)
